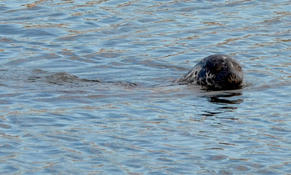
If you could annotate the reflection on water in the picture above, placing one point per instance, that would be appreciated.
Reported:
(86, 87)
(226, 101)
(226, 98)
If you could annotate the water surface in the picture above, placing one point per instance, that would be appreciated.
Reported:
(86, 87)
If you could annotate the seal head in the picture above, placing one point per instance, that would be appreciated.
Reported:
(215, 72)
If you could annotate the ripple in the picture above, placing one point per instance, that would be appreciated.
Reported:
(88, 87)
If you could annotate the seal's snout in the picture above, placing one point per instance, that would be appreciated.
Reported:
(215, 72)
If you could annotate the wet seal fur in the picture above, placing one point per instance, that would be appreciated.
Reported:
(215, 72)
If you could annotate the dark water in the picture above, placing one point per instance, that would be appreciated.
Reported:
(57, 118)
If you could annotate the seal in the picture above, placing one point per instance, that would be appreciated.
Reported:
(215, 72)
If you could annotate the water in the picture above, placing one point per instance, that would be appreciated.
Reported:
(57, 118)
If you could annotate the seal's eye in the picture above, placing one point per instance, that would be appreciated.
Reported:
(237, 66)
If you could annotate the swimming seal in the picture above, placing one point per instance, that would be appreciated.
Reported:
(215, 72)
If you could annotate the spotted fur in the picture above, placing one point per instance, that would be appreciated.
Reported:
(215, 72)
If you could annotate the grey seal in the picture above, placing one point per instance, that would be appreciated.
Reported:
(215, 72)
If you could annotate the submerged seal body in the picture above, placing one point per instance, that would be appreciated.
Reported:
(215, 72)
